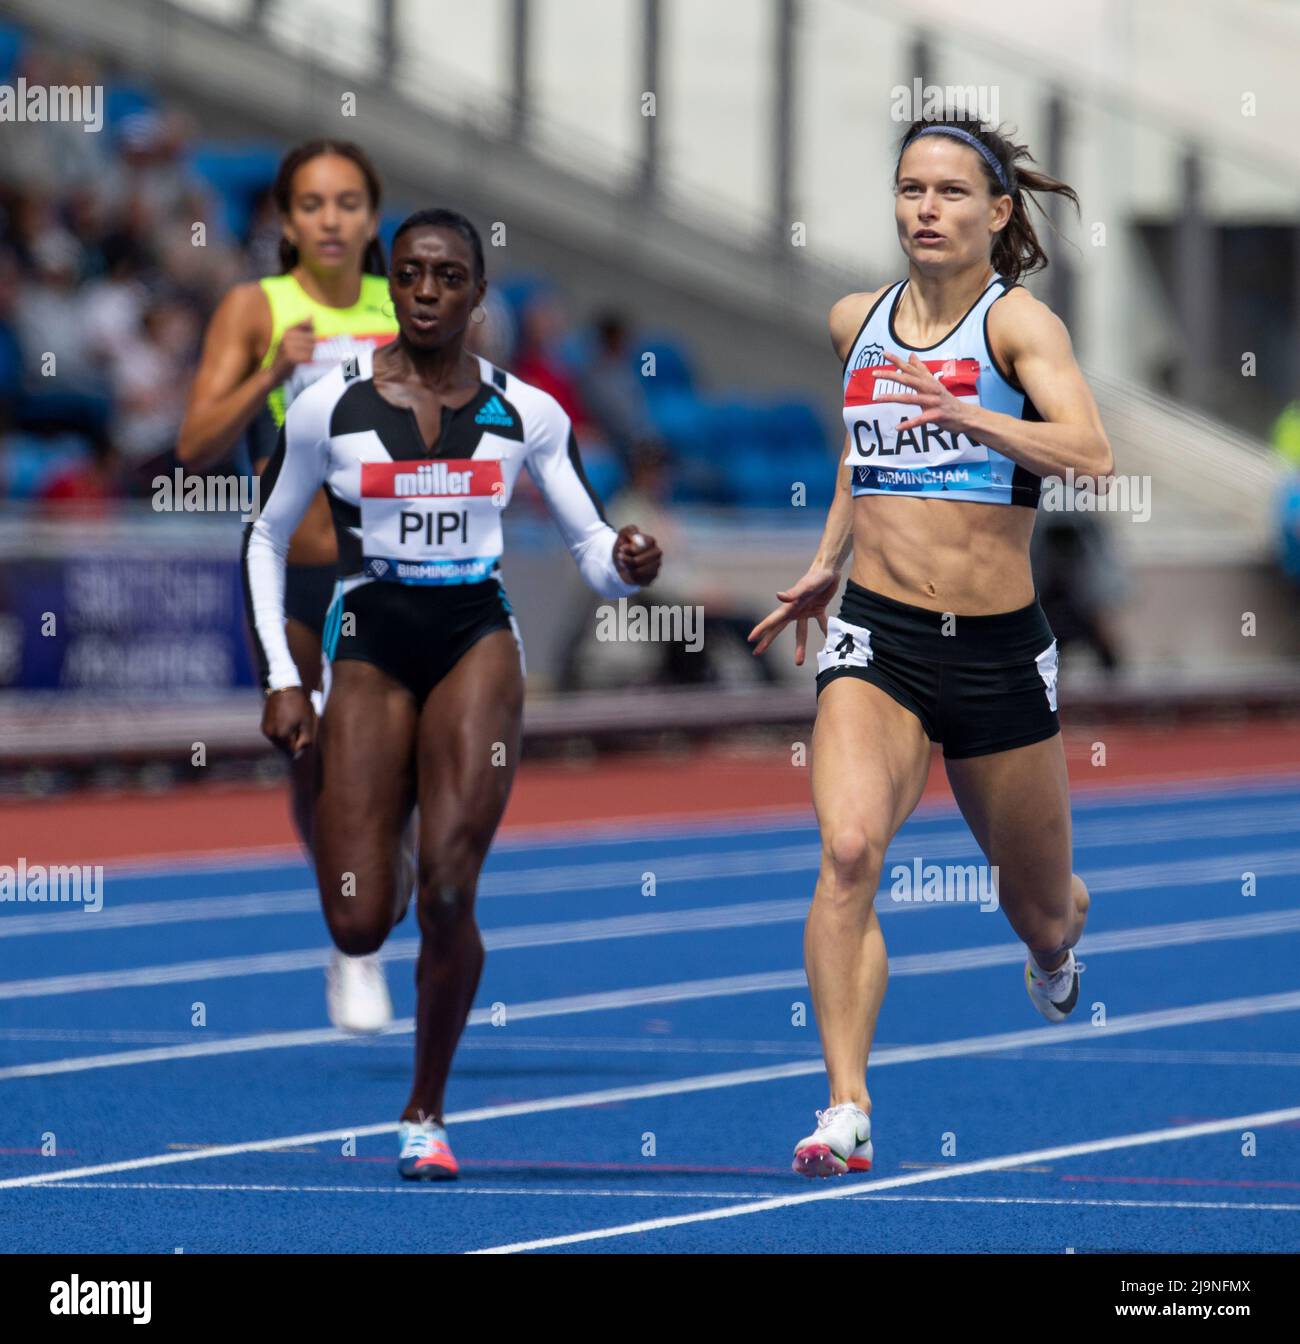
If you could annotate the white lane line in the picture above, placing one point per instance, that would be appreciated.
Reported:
(160, 1054)
(417, 1189)
(1221, 1011)
(1228, 1204)
(1279, 1059)
(535, 1106)
(747, 862)
(1174, 1134)
(428, 1188)
(663, 1045)
(674, 921)
(1176, 790)
(142, 914)
(920, 963)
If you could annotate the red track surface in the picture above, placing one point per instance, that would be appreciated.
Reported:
(89, 827)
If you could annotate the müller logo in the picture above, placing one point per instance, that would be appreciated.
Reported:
(433, 478)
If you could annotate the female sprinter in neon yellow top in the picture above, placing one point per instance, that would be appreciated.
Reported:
(266, 342)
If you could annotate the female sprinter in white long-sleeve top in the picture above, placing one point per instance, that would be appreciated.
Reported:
(418, 447)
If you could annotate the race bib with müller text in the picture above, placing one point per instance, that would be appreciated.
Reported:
(872, 418)
(431, 522)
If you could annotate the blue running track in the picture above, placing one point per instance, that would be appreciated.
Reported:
(638, 1067)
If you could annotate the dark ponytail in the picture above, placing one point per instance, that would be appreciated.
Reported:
(1016, 249)
(282, 192)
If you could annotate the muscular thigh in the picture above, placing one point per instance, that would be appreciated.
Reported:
(469, 743)
(871, 758)
(365, 780)
(1017, 804)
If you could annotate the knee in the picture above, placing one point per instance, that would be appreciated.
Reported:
(448, 882)
(355, 932)
(444, 906)
(852, 857)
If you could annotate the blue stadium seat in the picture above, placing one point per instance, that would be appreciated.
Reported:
(1287, 525)
(236, 174)
(605, 472)
(12, 42)
(520, 288)
(28, 461)
(125, 100)
(389, 222)
(672, 367)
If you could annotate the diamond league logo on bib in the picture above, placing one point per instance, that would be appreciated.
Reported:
(376, 568)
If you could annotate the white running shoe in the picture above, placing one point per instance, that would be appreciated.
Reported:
(356, 994)
(842, 1143)
(1054, 994)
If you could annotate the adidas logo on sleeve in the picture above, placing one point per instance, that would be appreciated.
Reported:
(494, 413)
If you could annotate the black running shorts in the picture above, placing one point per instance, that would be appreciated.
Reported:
(979, 684)
(308, 590)
(416, 634)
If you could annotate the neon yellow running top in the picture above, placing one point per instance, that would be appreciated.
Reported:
(339, 332)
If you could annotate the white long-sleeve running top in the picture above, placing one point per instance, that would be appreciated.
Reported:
(408, 513)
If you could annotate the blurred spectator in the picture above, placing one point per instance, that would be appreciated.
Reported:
(493, 337)
(1286, 435)
(262, 243)
(724, 656)
(151, 369)
(50, 317)
(613, 389)
(542, 328)
(157, 200)
(92, 225)
(52, 156)
(115, 303)
(88, 487)
(1286, 504)
(1287, 535)
(1079, 583)
(11, 352)
(89, 220)
(149, 181)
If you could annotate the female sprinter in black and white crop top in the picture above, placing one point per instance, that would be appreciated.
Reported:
(418, 448)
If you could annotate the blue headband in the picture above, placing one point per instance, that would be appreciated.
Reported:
(967, 138)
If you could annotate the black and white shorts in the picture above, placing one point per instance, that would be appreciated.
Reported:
(414, 633)
(979, 684)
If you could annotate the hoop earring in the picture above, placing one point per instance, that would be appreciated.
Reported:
(478, 315)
